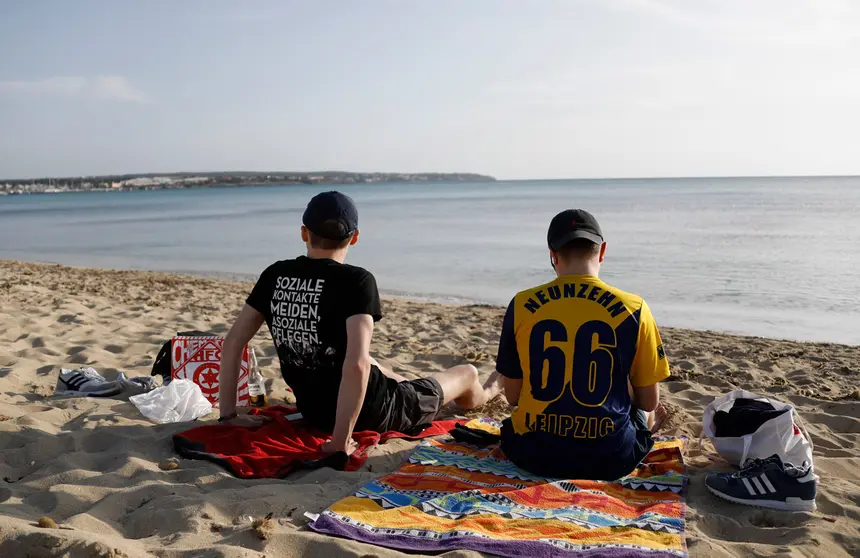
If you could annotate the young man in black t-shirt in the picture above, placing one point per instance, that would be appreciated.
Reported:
(320, 312)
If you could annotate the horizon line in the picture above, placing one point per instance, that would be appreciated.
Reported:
(606, 178)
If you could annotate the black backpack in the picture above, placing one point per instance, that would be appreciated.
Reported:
(161, 366)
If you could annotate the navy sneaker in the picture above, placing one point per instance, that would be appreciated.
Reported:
(767, 483)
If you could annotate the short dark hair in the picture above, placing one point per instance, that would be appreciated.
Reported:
(331, 229)
(578, 248)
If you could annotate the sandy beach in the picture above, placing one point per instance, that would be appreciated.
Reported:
(112, 483)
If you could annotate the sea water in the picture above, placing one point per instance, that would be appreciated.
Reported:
(777, 257)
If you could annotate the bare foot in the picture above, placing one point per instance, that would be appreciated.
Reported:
(492, 387)
(660, 416)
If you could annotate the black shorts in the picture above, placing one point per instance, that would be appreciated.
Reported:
(411, 406)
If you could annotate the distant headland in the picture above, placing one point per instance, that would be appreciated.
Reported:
(179, 180)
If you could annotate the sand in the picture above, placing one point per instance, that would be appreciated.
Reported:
(111, 486)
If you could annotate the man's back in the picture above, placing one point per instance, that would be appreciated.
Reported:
(306, 303)
(575, 342)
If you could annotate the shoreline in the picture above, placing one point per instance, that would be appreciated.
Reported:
(247, 280)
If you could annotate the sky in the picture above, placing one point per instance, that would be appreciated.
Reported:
(512, 88)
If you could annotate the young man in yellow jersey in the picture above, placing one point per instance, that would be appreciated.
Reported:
(581, 360)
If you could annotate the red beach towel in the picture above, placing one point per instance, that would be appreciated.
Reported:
(281, 446)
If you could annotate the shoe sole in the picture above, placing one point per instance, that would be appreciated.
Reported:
(789, 504)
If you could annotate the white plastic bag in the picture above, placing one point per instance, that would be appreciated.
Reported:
(780, 435)
(178, 401)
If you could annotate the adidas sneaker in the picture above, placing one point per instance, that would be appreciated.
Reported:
(85, 381)
(767, 483)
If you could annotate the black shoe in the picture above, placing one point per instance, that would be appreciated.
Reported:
(767, 483)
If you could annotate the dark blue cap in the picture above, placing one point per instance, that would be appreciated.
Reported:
(331, 215)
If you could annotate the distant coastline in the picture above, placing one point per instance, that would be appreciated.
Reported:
(182, 180)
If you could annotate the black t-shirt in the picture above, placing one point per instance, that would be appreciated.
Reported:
(306, 303)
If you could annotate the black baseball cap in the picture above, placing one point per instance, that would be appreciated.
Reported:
(571, 224)
(331, 215)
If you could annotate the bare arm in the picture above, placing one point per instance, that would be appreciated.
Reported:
(646, 398)
(512, 390)
(649, 364)
(508, 364)
(243, 330)
(353, 384)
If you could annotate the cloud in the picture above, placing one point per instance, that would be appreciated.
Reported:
(117, 88)
(111, 88)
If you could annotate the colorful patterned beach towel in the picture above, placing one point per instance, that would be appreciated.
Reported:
(450, 495)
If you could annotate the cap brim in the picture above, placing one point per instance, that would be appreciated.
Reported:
(559, 242)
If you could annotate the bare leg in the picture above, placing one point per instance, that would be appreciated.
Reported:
(387, 372)
(461, 385)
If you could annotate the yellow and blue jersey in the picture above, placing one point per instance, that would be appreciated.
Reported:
(575, 342)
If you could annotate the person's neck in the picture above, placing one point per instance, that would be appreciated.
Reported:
(322, 254)
(588, 267)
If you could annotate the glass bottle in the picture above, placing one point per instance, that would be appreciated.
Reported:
(256, 383)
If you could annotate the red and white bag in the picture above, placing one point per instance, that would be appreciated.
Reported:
(781, 435)
(199, 359)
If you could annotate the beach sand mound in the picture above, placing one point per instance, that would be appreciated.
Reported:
(93, 478)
